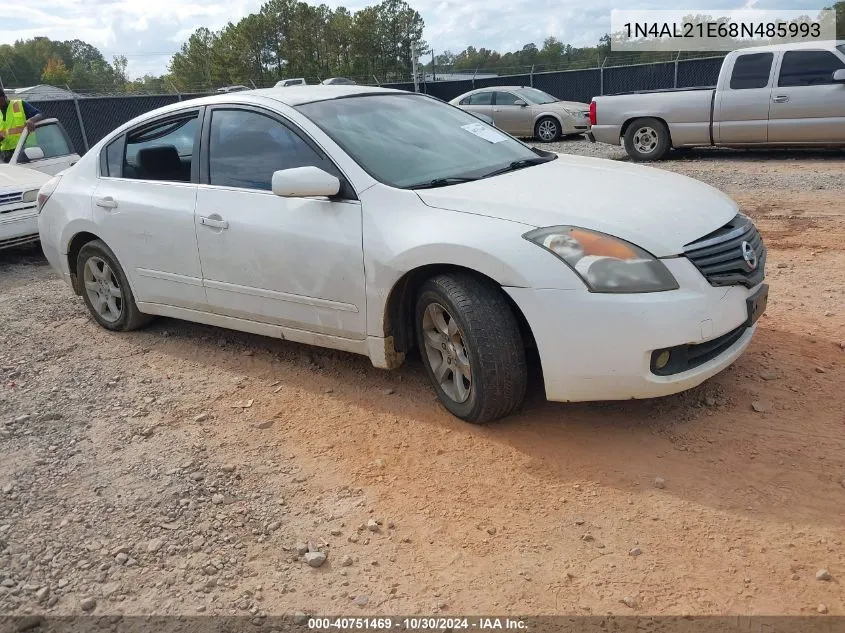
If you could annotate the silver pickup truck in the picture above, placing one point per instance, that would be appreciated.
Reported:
(787, 95)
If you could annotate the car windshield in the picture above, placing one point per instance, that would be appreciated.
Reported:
(536, 96)
(407, 140)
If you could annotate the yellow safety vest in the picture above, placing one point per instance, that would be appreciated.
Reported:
(13, 126)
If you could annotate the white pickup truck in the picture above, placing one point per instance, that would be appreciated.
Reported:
(35, 160)
(786, 95)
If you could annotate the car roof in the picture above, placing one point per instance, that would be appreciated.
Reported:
(815, 45)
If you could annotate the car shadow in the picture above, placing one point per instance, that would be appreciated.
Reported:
(710, 444)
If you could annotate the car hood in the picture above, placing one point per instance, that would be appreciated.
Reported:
(572, 105)
(657, 210)
(12, 176)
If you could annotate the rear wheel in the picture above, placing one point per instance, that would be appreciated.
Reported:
(471, 347)
(105, 289)
(647, 140)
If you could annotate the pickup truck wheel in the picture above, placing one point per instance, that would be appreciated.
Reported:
(471, 347)
(547, 130)
(105, 289)
(647, 140)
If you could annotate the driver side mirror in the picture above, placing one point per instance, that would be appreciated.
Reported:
(33, 153)
(304, 182)
(520, 103)
(839, 76)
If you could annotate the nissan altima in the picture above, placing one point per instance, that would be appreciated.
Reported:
(378, 222)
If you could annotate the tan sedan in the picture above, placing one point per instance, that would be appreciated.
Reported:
(527, 112)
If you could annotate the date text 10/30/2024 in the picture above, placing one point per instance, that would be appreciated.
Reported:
(417, 624)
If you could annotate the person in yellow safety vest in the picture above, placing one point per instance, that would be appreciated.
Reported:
(16, 115)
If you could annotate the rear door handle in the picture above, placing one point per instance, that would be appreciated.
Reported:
(107, 203)
(215, 224)
(781, 99)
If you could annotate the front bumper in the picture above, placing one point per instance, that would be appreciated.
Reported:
(18, 229)
(600, 347)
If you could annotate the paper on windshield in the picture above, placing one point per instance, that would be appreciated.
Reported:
(485, 132)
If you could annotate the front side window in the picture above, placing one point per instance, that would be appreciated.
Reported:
(481, 99)
(506, 98)
(808, 68)
(246, 148)
(532, 95)
(751, 71)
(51, 139)
(163, 151)
(407, 140)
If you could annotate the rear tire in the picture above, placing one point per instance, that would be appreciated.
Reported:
(647, 140)
(106, 290)
(471, 347)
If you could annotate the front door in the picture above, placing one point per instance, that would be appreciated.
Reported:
(807, 106)
(510, 117)
(292, 262)
(742, 108)
(48, 149)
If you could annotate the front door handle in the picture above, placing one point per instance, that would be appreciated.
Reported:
(106, 203)
(213, 223)
(781, 99)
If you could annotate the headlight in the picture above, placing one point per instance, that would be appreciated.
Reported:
(605, 263)
(30, 196)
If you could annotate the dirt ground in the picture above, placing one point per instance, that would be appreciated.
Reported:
(182, 469)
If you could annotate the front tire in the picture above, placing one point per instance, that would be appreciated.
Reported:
(647, 140)
(471, 347)
(547, 130)
(105, 289)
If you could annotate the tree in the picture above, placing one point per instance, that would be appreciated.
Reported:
(55, 72)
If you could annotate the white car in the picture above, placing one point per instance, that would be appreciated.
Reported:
(377, 221)
(21, 178)
(285, 83)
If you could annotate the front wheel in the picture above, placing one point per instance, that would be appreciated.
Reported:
(647, 140)
(547, 130)
(471, 347)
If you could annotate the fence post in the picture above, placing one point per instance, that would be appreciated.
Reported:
(531, 77)
(475, 72)
(376, 80)
(176, 90)
(676, 68)
(79, 117)
(601, 76)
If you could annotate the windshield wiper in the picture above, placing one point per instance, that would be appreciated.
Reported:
(441, 182)
(520, 164)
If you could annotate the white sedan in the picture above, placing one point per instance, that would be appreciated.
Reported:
(378, 221)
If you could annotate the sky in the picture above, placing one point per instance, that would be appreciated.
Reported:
(148, 32)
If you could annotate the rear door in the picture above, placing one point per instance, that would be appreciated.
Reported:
(48, 149)
(144, 207)
(741, 113)
(479, 103)
(510, 117)
(807, 106)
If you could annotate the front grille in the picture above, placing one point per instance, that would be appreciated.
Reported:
(685, 357)
(11, 198)
(719, 256)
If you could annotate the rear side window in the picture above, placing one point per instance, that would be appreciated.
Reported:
(808, 68)
(114, 158)
(163, 151)
(751, 71)
(481, 99)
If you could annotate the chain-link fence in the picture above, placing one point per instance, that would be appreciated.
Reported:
(88, 119)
